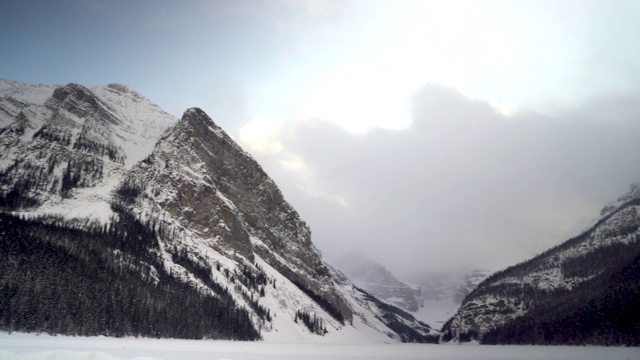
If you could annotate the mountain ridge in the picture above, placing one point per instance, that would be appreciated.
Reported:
(232, 189)
(579, 270)
(161, 212)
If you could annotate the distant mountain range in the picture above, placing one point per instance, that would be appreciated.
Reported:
(442, 292)
(433, 298)
(379, 282)
(118, 219)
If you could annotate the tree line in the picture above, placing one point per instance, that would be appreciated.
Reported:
(103, 280)
(601, 311)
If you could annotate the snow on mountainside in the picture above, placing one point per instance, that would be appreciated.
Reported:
(379, 282)
(202, 185)
(15, 96)
(66, 153)
(177, 230)
(375, 314)
(569, 284)
(433, 299)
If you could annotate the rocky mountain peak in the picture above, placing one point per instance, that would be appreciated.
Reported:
(197, 128)
(170, 212)
(201, 131)
(201, 179)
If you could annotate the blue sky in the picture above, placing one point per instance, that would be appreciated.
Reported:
(167, 51)
(242, 60)
(477, 100)
(230, 56)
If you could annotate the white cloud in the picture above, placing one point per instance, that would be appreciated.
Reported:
(266, 140)
(462, 185)
(294, 163)
(261, 136)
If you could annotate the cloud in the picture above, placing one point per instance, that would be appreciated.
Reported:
(463, 185)
(315, 7)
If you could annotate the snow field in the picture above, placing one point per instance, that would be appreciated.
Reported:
(32, 347)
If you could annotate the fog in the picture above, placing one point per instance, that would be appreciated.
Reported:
(427, 134)
(464, 185)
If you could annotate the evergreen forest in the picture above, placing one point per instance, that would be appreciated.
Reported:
(59, 278)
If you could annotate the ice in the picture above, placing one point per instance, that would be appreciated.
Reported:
(33, 347)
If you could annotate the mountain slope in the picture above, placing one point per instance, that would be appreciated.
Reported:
(584, 290)
(379, 282)
(117, 219)
(383, 317)
(74, 142)
(59, 279)
(15, 96)
(199, 181)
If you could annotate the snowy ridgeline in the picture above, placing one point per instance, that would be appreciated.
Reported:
(141, 224)
(32, 347)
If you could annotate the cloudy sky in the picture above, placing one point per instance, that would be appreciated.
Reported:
(429, 134)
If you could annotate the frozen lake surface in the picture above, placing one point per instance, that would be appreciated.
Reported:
(32, 347)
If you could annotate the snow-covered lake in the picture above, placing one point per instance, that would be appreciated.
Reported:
(32, 347)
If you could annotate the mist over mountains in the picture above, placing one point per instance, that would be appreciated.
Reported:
(118, 219)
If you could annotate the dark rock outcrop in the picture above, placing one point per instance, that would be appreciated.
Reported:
(200, 177)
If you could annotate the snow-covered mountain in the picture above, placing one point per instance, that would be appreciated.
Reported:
(442, 292)
(583, 291)
(15, 96)
(374, 278)
(64, 149)
(432, 297)
(123, 220)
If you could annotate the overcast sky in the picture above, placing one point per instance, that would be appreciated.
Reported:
(429, 134)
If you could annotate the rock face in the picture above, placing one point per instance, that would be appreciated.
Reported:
(141, 224)
(375, 279)
(541, 300)
(198, 177)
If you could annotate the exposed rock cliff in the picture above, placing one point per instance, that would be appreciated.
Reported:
(200, 178)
